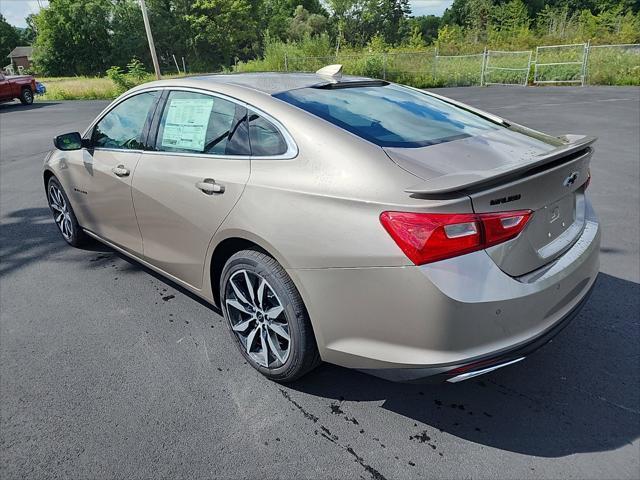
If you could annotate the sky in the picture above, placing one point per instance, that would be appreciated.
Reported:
(15, 11)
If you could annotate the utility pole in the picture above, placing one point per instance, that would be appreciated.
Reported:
(152, 46)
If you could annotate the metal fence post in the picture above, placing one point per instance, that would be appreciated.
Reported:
(384, 65)
(435, 64)
(585, 62)
(526, 77)
(483, 67)
(286, 63)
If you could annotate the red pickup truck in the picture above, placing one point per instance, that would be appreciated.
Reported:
(22, 87)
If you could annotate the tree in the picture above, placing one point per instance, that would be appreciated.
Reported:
(28, 34)
(224, 29)
(9, 39)
(172, 31)
(427, 27)
(341, 11)
(510, 16)
(358, 21)
(128, 36)
(387, 18)
(277, 14)
(73, 37)
(304, 24)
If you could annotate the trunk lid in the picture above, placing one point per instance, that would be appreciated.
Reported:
(511, 169)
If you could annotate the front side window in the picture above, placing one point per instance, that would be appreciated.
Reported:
(390, 115)
(266, 139)
(198, 123)
(123, 127)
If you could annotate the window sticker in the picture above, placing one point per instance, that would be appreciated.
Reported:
(186, 124)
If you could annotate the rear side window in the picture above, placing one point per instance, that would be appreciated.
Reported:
(390, 115)
(198, 123)
(266, 140)
(122, 128)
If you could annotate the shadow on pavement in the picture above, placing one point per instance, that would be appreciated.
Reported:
(8, 107)
(581, 393)
(29, 235)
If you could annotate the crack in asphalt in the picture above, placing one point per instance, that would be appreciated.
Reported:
(308, 415)
(326, 434)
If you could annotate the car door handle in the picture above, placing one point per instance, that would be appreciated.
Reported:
(121, 171)
(209, 186)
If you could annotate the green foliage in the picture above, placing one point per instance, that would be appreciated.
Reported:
(427, 26)
(276, 51)
(277, 16)
(79, 88)
(86, 37)
(9, 39)
(135, 75)
(305, 24)
(28, 34)
(231, 26)
(73, 37)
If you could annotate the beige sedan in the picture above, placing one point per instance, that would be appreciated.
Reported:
(343, 219)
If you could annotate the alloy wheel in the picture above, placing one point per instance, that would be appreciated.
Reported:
(257, 318)
(61, 213)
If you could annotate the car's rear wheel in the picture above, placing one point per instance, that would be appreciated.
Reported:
(26, 96)
(63, 214)
(267, 317)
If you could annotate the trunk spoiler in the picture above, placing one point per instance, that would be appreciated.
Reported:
(453, 182)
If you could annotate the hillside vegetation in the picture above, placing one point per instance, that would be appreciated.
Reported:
(96, 41)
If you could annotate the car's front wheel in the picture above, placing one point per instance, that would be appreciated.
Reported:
(267, 317)
(63, 214)
(26, 96)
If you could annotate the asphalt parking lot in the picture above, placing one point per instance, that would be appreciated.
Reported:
(109, 371)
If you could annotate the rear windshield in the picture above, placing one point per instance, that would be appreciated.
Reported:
(390, 115)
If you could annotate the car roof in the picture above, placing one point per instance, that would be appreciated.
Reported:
(266, 82)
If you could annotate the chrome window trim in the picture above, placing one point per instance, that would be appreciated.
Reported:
(116, 150)
(199, 155)
(292, 147)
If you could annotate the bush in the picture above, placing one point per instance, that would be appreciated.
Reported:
(135, 75)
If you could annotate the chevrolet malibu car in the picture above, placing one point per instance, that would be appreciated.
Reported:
(340, 219)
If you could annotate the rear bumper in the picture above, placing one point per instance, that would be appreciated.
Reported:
(406, 323)
(484, 364)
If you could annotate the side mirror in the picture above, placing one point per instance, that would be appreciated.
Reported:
(68, 141)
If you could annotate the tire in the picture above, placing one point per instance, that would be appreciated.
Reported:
(63, 215)
(26, 96)
(250, 323)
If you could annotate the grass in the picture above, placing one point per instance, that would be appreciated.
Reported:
(616, 65)
(78, 88)
(607, 66)
(82, 88)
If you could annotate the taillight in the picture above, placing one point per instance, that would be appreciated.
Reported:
(429, 237)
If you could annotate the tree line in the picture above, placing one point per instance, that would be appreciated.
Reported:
(86, 37)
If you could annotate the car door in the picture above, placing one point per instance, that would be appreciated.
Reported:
(184, 189)
(101, 177)
(5, 88)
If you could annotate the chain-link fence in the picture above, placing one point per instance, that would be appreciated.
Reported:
(561, 64)
(552, 64)
(459, 70)
(405, 67)
(507, 68)
(613, 64)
